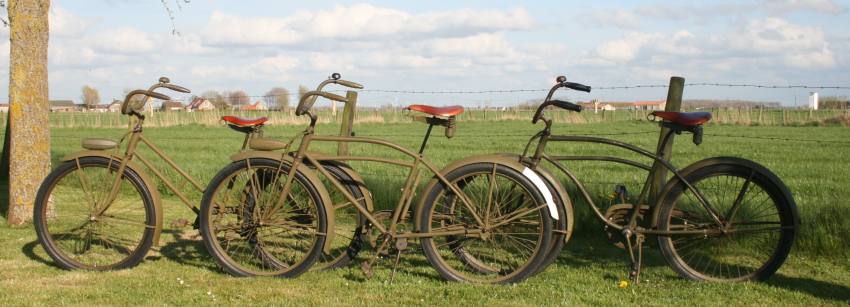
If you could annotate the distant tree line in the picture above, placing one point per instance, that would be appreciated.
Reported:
(277, 98)
(834, 102)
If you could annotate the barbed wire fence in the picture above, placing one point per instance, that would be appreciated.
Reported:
(529, 90)
(544, 90)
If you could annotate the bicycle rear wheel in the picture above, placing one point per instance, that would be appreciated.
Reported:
(81, 228)
(515, 236)
(758, 222)
(251, 231)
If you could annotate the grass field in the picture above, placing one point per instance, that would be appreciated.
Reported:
(181, 272)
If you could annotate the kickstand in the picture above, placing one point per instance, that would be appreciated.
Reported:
(634, 272)
(395, 265)
(400, 245)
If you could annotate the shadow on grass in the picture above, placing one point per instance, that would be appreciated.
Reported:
(817, 288)
(187, 251)
(29, 250)
(411, 262)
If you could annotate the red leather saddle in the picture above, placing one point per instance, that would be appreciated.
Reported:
(684, 118)
(245, 122)
(436, 111)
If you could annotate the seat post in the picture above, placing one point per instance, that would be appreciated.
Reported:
(425, 140)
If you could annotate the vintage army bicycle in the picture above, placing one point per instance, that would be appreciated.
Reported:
(99, 209)
(481, 219)
(719, 219)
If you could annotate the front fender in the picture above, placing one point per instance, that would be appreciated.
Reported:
(309, 174)
(157, 199)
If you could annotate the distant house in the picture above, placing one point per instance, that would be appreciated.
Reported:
(200, 104)
(4, 107)
(63, 106)
(114, 106)
(171, 106)
(650, 105)
(257, 106)
(624, 105)
(101, 108)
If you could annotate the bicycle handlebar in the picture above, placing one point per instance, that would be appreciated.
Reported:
(304, 105)
(131, 108)
(176, 88)
(561, 82)
(577, 87)
(306, 102)
(350, 84)
(128, 109)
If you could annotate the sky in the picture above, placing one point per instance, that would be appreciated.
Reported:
(114, 45)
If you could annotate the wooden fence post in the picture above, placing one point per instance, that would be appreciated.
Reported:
(659, 172)
(346, 128)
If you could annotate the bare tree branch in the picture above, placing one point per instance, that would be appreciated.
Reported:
(171, 13)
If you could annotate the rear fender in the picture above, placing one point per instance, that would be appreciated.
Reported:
(367, 195)
(715, 161)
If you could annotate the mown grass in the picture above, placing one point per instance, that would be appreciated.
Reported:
(181, 272)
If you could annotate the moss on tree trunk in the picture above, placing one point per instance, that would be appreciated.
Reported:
(28, 105)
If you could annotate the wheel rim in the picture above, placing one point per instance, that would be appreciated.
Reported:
(252, 232)
(507, 249)
(749, 239)
(84, 230)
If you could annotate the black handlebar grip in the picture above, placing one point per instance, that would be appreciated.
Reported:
(177, 88)
(566, 105)
(577, 87)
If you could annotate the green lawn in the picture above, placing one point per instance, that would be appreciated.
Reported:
(587, 273)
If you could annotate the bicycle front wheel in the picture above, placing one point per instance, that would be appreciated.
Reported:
(752, 234)
(510, 241)
(252, 229)
(83, 225)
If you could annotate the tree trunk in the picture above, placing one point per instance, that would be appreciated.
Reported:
(28, 105)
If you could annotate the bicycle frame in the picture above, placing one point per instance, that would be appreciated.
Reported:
(408, 191)
(539, 155)
(126, 161)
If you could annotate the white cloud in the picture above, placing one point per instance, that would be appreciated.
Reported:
(65, 24)
(624, 49)
(124, 40)
(274, 68)
(486, 44)
(278, 64)
(187, 43)
(610, 18)
(359, 22)
(800, 46)
(821, 6)
(229, 29)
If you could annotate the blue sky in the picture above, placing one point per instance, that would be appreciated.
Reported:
(114, 45)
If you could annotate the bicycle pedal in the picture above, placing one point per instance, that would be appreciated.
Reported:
(367, 269)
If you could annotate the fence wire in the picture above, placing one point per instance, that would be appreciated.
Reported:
(531, 90)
